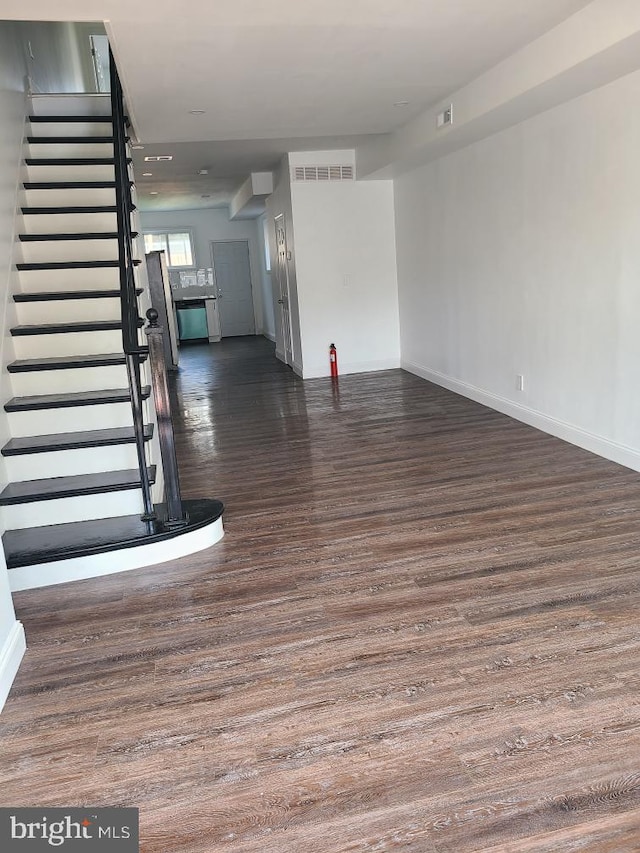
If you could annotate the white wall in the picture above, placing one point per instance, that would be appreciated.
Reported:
(214, 224)
(345, 269)
(57, 55)
(12, 114)
(520, 255)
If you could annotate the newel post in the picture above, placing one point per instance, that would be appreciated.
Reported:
(176, 517)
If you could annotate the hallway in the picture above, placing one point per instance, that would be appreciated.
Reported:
(420, 632)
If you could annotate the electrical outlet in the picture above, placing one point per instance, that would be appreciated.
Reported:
(520, 382)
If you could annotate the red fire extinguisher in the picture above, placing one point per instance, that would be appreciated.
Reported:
(333, 361)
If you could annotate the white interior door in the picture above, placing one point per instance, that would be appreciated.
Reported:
(232, 272)
(282, 283)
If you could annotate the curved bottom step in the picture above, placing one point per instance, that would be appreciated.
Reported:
(58, 553)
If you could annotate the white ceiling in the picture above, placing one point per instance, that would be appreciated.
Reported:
(288, 68)
(283, 71)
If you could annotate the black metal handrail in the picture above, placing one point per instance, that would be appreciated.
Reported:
(131, 321)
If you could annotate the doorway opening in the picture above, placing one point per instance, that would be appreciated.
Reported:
(282, 286)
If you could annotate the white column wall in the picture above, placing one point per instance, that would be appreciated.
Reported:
(345, 269)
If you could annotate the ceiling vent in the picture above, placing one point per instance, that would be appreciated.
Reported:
(322, 173)
(159, 158)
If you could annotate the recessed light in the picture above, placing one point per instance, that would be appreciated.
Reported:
(203, 171)
(137, 147)
(159, 158)
(197, 112)
(153, 192)
(147, 174)
(401, 103)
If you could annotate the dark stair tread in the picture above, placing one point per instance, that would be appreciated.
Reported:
(66, 362)
(46, 211)
(71, 265)
(73, 440)
(75, 235)
(65, 328)
(61, 119)
(55, 542)
(69, 185)
(74, 398)
(69, 161)
(58, 295)
(77, 485)
(69, 140)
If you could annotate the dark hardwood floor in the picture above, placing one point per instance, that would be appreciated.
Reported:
(421, 632)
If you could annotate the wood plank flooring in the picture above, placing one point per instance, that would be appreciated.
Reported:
(421, 632)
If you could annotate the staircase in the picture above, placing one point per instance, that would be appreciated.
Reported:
(75, 491)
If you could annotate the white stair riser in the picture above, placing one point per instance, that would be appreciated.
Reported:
(39, 513)
(70, 128)
(69, 149)
(70, 419)
(71, 343)
(67, 310)
(84, 197)
(69, 173)
(95, 278)
(67, 223)
(69, 250)
(66, 463)
(110, 562)
(68, 381)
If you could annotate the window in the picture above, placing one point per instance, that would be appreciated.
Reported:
(177, 246)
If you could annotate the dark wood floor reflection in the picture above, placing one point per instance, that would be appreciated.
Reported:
(421, 632)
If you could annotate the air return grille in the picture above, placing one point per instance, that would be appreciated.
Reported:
(322, 173)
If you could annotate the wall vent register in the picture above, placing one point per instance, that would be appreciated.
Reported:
(322, 173)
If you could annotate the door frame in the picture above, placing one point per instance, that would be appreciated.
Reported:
(215, 279)
(287, 353)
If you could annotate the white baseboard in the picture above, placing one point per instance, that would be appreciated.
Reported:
(319, 370)
(269, 336)
(10, 656)
(79, 568)
(280, 355)
(297, 369)
(620, 453)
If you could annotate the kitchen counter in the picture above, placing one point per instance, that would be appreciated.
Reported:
(177, 298)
